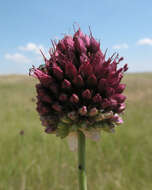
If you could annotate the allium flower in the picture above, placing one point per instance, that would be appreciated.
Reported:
(78, 87)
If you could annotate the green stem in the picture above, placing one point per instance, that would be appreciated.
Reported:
(81, 162)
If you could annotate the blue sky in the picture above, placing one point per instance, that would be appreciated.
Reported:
(123, 26)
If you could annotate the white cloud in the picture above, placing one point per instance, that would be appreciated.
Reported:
(120, 46)
(17, 58)
(145, 41)
(31, 47)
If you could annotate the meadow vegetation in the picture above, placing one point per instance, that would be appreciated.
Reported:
(33, 160)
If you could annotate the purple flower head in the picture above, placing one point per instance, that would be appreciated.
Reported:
(78, 85)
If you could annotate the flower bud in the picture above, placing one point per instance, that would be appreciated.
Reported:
(86, 40)
(109, 91)
(113, 102)
(102, 84)
(45, 98)
(121, 108)
(61, 46)
(94, 45)
(78, 33)
(45, 79)
(106, 103)
(78, 81)
(120, 88)
(54, 88)
(72, 115)
(97, 98)
(92, 80)
(66, 84)
(80, 45)
(68, 41)
(117, 119)
(93, 112)
(70, 70)
(58, 73)
(86, 94)
(86, 69)
(108, 115)
(83, 111)
(63, 97)
(119, 97)
(57, 107)
(74, 98)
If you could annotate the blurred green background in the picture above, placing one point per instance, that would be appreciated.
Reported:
(37, 161)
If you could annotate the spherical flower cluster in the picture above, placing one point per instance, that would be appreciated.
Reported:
(78, 87)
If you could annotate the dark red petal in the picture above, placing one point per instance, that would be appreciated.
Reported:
(78, 81)
(66, 84)
(54, 88)
(98, 71)
(109, 91)
(45, 79)
(86, 94)
(97, 98)
(68, 41)
(39, 86)
(113, 102)
(94, 45)
(119, 97)
(63, 97)
(78, 33)
(86, 40)
(58, 73)
(120, 88)
(41, 91)
(80, 45)
(61, 46)
(92, 80)
(83, 58)
(70, 70)
(121, 108)
(42, 109)
(86, 69)
(113, 82)
(74, 98)
(57, 107)
(106, 103)
(45, 98)
(102, 84)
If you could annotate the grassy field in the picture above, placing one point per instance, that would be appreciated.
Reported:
(37, 161)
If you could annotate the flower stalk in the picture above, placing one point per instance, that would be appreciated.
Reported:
(82, 161)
